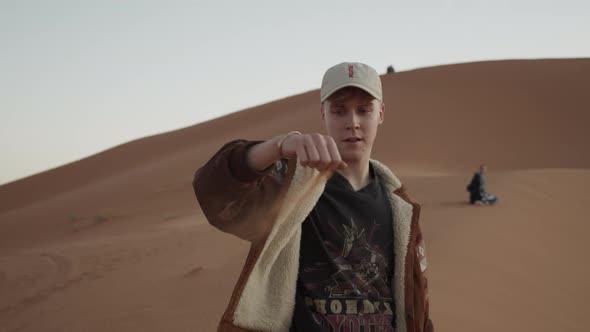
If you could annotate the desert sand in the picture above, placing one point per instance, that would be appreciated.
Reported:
(117, 241)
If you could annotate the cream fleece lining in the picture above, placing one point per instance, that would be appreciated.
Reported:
(268, 299)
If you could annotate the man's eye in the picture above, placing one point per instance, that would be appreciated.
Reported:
(364, 110)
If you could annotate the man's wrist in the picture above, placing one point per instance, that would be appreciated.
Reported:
(282, 141)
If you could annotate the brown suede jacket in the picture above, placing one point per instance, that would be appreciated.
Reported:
(267, 208)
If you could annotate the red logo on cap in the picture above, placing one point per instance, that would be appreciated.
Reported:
(350, 71)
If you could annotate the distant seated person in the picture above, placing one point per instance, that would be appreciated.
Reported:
(476, 189)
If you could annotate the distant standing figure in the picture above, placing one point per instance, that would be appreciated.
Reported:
(476, 189)
(390, 70)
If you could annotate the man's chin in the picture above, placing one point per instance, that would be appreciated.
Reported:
(352, 158)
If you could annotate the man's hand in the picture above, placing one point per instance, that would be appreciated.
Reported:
(313, 150)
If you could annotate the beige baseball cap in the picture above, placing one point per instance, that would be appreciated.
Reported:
(355, 74)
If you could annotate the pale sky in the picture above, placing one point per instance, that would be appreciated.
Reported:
(78, 77)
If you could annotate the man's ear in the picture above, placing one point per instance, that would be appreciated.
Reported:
(382, 113)
(322, 109)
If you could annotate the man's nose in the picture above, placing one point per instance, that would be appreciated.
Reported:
(353, 121)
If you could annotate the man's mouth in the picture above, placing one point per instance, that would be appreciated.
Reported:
(352, 139)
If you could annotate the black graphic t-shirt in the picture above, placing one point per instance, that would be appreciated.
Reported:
(346, 261)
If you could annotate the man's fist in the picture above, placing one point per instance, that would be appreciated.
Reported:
(313, 150)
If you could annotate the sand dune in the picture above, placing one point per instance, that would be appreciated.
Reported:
(117, 242)
(518, 266)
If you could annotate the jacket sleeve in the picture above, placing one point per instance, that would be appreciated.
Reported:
(422, 283)
(235, 198)
(418, 317)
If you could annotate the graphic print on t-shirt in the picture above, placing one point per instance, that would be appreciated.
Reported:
(357, 296)
(361, 270)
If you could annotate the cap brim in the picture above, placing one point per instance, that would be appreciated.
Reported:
(356, 85)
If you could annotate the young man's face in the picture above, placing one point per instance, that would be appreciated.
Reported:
(351, 116)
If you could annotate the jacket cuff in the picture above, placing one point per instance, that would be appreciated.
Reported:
(238, 164)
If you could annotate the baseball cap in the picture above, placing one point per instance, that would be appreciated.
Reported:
(354, 74)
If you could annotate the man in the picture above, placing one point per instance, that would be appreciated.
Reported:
(476, 189)
(336, 243)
